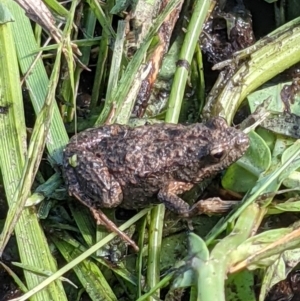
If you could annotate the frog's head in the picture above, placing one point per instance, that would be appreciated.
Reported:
(228, 144)
(220, 146)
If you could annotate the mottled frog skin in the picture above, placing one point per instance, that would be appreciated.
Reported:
(116, 165)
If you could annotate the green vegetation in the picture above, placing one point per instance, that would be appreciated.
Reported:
(224, 256)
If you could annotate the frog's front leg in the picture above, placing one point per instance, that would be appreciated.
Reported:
(168, 195)
(88, 177)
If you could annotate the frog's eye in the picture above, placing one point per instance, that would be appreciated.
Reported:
(218, 154)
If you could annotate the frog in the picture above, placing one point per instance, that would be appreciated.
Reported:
(134, 167)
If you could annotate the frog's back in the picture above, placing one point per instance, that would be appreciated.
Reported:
(164, 151)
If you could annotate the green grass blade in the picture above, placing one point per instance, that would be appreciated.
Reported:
(37, 82)
(187, 51)
(33, 247)
(83, 256)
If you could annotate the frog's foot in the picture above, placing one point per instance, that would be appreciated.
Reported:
(211, 206)
(102, 219)
(168, 196)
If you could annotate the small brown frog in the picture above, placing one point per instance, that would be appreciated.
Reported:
(116, 165)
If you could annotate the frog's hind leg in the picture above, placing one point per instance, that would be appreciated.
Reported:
(90, 182)
(168, 195)
(87, 176)
(102, 219)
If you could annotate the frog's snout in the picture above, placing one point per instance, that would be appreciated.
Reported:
(242, 141)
